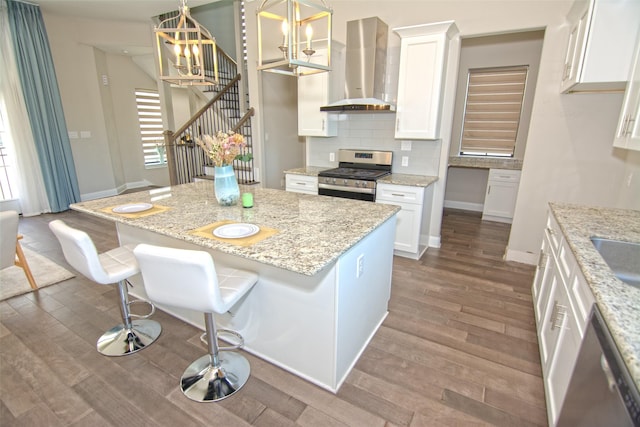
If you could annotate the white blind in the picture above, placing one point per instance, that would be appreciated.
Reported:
(150, 122)
(492, 110)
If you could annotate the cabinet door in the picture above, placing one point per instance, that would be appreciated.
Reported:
(420, 86)
(409, 219)
(553, 316)
(628, 131)
(314, 91)
(542, 281)
(575, 49)
(500, 200)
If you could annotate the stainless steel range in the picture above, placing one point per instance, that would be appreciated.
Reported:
(356, 176)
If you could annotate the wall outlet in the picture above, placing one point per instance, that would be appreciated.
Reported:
(405, 160)
(360, 266)
(332, 157)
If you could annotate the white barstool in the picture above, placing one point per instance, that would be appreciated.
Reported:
(114, 266)
(189, 279)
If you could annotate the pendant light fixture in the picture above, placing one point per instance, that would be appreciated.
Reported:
(189, 51)
(294, 36)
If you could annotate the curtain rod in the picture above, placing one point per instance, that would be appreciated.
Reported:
(27, 2)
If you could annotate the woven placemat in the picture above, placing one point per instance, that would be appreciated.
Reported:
(207, 232)
(154, 210)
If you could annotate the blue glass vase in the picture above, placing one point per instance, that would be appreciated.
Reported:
(226, 186)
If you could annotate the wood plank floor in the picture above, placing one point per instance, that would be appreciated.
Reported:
(458, 348)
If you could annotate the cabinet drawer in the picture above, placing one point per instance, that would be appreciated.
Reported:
(301, 183)
(399, 193)
(504, 175)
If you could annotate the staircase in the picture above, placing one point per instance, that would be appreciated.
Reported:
(187, 161)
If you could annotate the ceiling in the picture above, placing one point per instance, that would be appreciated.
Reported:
(131, 10)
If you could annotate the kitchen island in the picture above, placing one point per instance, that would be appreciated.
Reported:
(324, 267)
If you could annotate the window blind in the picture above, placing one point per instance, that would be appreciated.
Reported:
(150, 122)
(492, 110)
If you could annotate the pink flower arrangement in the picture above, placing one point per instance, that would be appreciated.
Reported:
(224, 148)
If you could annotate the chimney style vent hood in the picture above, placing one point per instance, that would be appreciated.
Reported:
(365, 64)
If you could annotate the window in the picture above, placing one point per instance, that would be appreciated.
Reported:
(6, 178)
(492, 111)
(150, 122)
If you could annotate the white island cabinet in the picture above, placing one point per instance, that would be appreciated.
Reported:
(423, 64)
(324, 273)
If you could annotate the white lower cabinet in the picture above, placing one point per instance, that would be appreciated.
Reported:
(409, 219)
(562, 302)
(500, 198)
(301, 183)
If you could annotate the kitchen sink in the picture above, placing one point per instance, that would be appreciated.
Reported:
(623, 258)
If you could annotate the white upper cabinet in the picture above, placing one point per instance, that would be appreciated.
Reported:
(317, 90)
(628, 130)
(601, 44)
(424, 51)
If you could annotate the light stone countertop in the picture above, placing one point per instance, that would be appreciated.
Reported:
(394, 178)
(482, 162)
(314, 231)
(309, 170)
(618, 302)
(410, 180)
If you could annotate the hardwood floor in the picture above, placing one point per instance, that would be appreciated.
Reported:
(459, 347)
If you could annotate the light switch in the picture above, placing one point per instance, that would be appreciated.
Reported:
(405, 146)
(73, 135)
(85, 134)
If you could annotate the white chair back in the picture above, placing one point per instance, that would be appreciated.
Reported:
(80, 252)
(188, 279)
(9, 233)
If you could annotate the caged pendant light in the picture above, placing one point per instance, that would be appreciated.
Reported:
(294, 36)
(189, 50)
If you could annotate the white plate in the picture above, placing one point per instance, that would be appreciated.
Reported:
(236, 231)
(132, 208)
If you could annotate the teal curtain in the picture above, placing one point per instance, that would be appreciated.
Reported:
(44, 105)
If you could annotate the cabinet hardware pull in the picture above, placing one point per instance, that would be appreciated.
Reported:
(542, 260)
(629, 125)
(322, 124)
(398, 124)
(396, 194)
(301, 183)
(551, 231)
(557, 316)
(488, 190)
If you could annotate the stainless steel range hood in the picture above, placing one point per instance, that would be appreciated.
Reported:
(366, 59)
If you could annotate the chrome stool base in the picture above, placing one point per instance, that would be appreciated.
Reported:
(204, 382)
(120, 341)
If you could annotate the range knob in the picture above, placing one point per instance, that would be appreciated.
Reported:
(345, 182)
(334, 180)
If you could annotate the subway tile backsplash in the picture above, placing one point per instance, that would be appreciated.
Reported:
(374, 131)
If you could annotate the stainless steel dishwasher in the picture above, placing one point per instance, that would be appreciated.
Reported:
(601, 391)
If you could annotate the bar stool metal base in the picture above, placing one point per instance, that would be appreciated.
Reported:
(204, 382)
(120, 341)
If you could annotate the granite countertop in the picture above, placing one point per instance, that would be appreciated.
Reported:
(485, 162)
(618, 301)
(410, 180)
(313, 231)
(394, 178)
(308, 170)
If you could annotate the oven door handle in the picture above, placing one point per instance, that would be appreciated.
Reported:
(347, 189)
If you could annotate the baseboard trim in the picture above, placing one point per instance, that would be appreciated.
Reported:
(522, 257)
(465, 206)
